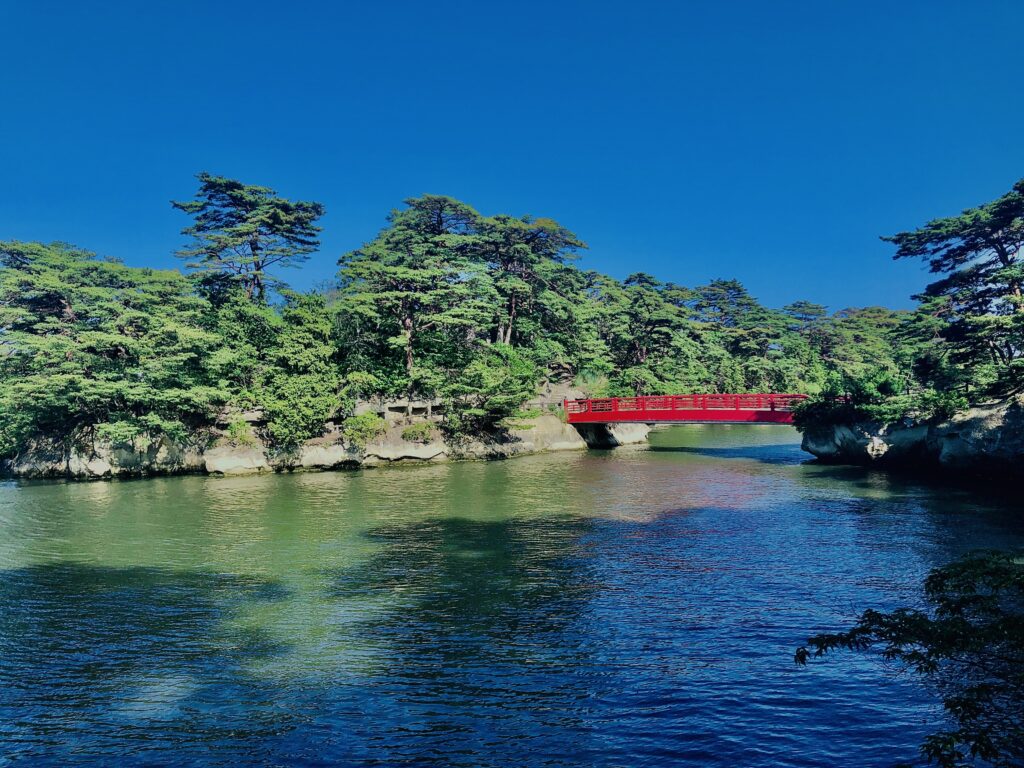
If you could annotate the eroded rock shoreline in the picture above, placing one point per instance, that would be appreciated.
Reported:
(81, 457)
(983, 442)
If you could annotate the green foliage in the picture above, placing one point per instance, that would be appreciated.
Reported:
(593, 384)
(119, 432)
(491, 391)
(414, 291)
(444, 303)
(360, 430)
(242, 230)
(297, 407)
(980, 297)
(940, 405)
(878, 396)
(969, 644)
(300, 389)
(422, 302)
(240, 433)
(87, 342)
(360, 383)
(420, 432)
(126, 430)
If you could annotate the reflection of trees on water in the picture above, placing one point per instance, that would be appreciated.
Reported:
(106, 664)
(938, 522)
(488, 644)
(453, 634)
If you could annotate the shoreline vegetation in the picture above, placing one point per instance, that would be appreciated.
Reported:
(469, 328)
(957, 406)
(477, 316)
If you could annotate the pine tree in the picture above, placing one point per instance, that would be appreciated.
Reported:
(241, 231)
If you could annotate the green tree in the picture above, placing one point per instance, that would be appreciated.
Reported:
(653, 347)
(723, 303)
(522, 256)
(490, 392)
(805, 314)
(89, 343)
(765, 350)
(241, 231)
(416, 283)
(979, 254)
(855, 342)
(302, 386)
(969, 644)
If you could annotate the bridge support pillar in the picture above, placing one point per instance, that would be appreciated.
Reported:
(612, 435)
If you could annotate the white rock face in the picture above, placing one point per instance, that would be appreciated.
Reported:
(227, 460)
(613, 435)
(548, 432)
(387, 454)
(84, 459)
(987, 438)
(629, 434)
(81, 458)
(325, 456)
(89, 466)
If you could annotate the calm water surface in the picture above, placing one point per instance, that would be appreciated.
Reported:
(626, 608)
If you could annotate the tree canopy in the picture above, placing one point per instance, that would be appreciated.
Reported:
(978, 252)
(445, 302)
(241, 231)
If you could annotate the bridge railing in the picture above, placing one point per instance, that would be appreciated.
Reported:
(744, 402)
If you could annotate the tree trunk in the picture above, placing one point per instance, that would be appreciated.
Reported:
(257, 286)
(257, 270)
(407, 330)
(511, 320)
(1007, 260)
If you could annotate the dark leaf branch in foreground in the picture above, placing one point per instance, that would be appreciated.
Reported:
(969, 645)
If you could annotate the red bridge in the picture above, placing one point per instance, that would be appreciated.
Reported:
(684, 409)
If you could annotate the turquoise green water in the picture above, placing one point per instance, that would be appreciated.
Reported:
(634, 607)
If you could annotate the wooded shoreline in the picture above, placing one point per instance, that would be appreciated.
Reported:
(476, 313)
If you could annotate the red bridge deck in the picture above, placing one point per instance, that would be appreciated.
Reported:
(684, 409)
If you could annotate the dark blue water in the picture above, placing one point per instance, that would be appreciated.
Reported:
(627, 608)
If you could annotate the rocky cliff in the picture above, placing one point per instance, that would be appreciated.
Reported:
(84, 457)
(985, 440)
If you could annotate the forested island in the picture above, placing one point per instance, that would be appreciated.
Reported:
(475, 315)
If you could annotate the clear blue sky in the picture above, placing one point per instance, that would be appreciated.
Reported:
(768, 141)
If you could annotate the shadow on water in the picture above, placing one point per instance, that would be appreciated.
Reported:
(562, 611)
(934, 483)
(124, 664)
(781, 453)
(499, 578)
(561, 641)
(142, 665)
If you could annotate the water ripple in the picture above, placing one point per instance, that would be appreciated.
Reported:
(628, 608)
